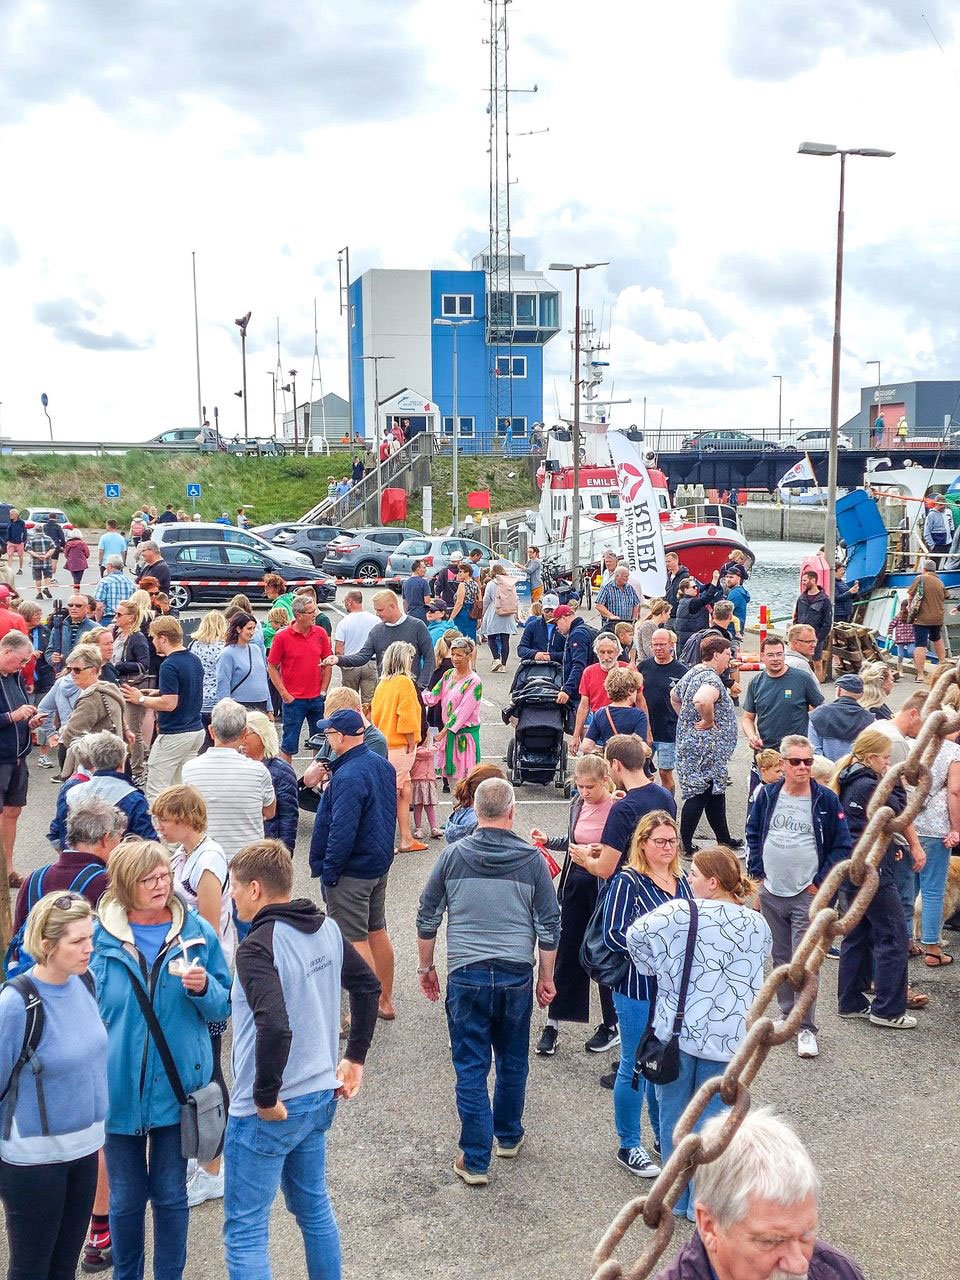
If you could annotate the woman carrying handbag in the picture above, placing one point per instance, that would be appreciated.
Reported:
(707, 961)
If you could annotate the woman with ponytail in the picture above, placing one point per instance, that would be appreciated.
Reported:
(732, 942)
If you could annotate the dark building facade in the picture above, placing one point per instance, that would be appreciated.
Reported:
(931, 410)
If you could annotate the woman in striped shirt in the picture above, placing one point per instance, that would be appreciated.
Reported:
(650, 877)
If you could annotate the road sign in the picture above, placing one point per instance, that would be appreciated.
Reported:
(194, 490)
(111, 490)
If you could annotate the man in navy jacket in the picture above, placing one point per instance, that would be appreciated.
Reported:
(352, 847)
(542, 639)
(577, 650)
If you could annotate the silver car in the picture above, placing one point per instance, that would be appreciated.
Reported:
(436, 552)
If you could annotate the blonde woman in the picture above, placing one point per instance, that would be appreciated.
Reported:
(53, 1108)
(99, 705)
(396, 712)
(658, 615)
(261, 742)
(147, 938)
(877, 680)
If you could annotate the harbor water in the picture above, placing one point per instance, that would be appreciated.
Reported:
(775, 577)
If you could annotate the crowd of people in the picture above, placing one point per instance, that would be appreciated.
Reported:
(165, 915)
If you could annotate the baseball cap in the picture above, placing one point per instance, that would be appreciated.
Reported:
(550, 601)
(850, 683)
(455, 557)
(562, 611)
(5, 592)
(345, 721)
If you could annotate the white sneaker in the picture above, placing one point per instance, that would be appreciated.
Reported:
(204, 1186)
(807, 1046)
(905, 1022)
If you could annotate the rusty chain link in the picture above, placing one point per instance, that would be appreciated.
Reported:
(826, 924)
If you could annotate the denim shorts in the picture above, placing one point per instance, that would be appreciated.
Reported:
(665, 754)
(924, 635)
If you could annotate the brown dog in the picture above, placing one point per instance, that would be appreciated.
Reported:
(951, 896)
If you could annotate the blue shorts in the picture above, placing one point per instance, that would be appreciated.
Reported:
(294, 714)
(923, 635)
(665, 754)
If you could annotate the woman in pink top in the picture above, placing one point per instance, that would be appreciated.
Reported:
(578, 891)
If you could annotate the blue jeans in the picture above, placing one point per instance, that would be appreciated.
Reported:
(633, 1016)
(262, 1155)
(933, 882)
(499, 647)
(488, 1012)
(144, 1167)
(294, 714)
(673, 1100)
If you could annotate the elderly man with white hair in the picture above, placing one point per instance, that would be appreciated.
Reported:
(618, 601)
(114, 587)
(500, 904)
(757, 1211)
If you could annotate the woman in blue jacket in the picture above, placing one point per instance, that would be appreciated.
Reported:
(146, 935)
(261, 743)
(242, 667)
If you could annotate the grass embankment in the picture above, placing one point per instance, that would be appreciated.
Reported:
(273, 488)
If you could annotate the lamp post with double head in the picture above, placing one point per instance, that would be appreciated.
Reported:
(242, 325)
(455, 467)
(576, 269)
(830, 539)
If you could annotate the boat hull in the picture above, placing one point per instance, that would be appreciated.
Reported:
(705, 548)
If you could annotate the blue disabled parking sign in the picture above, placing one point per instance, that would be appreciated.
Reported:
(194, 490)
(111, 490)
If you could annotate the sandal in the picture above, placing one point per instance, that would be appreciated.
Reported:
(417, 847)
(914, 949)
(936, 960)
(916, 999)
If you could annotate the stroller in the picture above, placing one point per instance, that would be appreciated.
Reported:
(537, 751)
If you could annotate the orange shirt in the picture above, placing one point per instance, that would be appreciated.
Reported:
(395, 710)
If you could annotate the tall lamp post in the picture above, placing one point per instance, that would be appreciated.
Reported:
(376, 418)
(296, 434)
(242, 324)
(879, 414)
(343, 275)
(830, 540)
(576, 269)
(779, 381)
(271, 374)
(455, 469)
(45, 401)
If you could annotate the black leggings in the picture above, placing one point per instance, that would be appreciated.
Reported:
(715, 807)
(499, 647)
(60, 1194)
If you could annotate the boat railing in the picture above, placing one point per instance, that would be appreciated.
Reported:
(719, 513)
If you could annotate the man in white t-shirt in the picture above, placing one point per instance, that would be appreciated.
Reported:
(904, 726)
(351, 635)
(238, 791)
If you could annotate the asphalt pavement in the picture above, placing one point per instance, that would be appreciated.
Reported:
(877, 1110)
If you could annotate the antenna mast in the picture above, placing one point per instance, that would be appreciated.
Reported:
(316, 379)
(499, 283)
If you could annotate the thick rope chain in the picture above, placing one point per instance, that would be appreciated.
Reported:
(656, 1208)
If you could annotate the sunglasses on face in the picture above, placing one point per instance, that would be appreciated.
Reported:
(797, 761)
(74, 670)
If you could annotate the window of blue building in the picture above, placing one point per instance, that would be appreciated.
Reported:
(467, 426)
(511, 366)
(526, 308)
(549, 311)
(519, 426)
(457, 304)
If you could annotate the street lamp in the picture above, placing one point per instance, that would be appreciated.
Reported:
(830, 540)
(44, 401)
(376, 415)
(292, 374)
(879, 414)
(569, 266)
(455, 470)
(242, 323)
(271, 374)
(779, 380)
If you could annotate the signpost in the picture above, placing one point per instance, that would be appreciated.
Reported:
(194, 491)
(111, 490)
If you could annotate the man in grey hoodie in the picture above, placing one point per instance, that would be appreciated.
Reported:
(835, 725)
(500, 904)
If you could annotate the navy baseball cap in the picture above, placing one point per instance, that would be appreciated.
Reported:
(346, 721)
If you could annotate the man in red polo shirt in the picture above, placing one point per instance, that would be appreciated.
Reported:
(297, 672)
(593, 695)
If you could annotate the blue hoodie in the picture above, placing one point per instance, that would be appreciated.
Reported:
(140, 1094)
(739, 597)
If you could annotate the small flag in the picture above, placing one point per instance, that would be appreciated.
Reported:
(800, 473)
(479, 500)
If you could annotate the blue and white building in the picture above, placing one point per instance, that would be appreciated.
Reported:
(499, 352)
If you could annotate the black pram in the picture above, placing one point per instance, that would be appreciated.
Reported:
(537, 752)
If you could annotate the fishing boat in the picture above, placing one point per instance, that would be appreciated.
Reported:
(702, 533)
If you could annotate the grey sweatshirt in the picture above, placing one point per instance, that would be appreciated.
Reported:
(498, 897)
(382, 635)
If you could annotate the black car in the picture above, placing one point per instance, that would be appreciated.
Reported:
(212, 572)
(311, 539)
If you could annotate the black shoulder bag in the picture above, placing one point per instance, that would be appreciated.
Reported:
(203, 1113)
(659, 1060)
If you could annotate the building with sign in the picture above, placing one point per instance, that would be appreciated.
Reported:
(405, 317)
(930, 409)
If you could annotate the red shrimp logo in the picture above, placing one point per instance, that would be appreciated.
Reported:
(631, 480)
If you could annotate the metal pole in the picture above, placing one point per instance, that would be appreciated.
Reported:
(575, 548)
(243, 357)
(830, 539)
(345, 307)
(196, 337)
(455, 473)
(273, 382)
(296, 435)
(779, 406)
(376, 419)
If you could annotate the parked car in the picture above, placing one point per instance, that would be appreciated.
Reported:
(729, 441)
(165, 535)
(435, 551)
(188, 438)
(5, 509)
(819, 442)
(212, 572)
(363, 553)
(311, 539)
(40, 515)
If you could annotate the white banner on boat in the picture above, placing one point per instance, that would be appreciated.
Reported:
(642, 541)
(800, 473)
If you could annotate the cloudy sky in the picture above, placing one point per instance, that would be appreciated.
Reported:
(263, 136)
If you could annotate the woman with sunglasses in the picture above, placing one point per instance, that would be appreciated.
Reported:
(54, 1107)
(796, 832)
(732, 943)
(651, 876)
(146, 936)
(99, 705)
